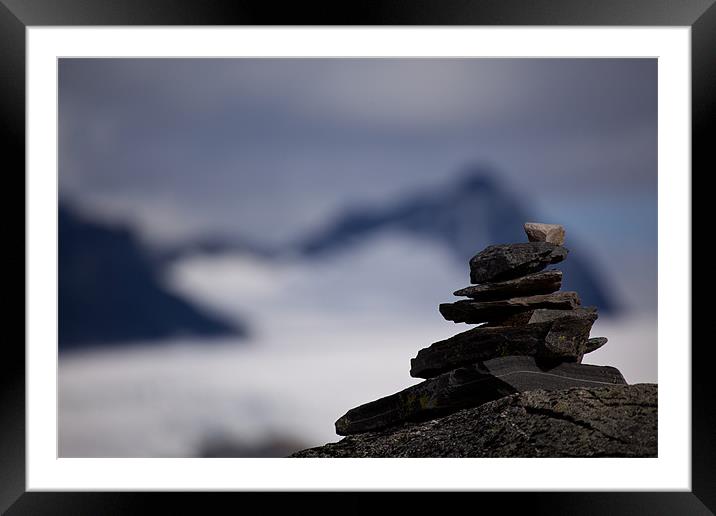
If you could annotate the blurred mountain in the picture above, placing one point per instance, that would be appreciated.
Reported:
(111, 291)
(210, 245)
(465, 217)
(223, 446)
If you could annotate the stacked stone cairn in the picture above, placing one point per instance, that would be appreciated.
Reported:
(529, 336)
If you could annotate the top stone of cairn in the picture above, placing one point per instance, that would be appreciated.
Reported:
(538, 232)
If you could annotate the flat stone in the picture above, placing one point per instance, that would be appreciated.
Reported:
(477, 345)
(594, 344)
(475, 312)
(469, 387)
(604, 421)
(544, 282)
(515, 319)
(540, 315)
(545, 314)
(507, 261)
(556, 340)
(538, 232)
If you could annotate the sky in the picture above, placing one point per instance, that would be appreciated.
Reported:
(271, 149)
(186, 146)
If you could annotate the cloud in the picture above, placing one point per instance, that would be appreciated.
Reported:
(284, 143)
(328, 337)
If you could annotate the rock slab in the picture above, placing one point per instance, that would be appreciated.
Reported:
(594, 344)
(567, 339)
(475, 312)
(544, 282)
(608, 421)
(507, 261)
(563, 339)
(471, 386)
(541, 315)
(546, 315)
(477, 345)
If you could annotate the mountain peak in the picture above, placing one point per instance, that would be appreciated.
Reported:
(474, 211)
(477, 178)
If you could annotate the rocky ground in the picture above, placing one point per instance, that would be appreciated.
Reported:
(612, 421)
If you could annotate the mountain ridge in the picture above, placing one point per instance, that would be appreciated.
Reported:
(110, 291)
(474, 212)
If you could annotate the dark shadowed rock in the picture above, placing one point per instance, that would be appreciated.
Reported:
(563, 340)
(506, 261)
(544, 282)
(546, 314)
(476, 312)
(515, 319)
(538, 232)
(608, 421)
(471, 386)
(478, 345)
(541, 315)
(594, 344)
(567, 338)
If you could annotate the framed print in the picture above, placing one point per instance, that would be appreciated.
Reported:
(249, 232)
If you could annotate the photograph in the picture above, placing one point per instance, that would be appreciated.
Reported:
(308, 258)
(322, 257)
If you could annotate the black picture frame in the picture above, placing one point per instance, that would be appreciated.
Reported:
(17, 15)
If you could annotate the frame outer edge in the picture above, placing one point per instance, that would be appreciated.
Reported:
(12, 78)
(362, 12)
(703, 109)
(12, 374)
